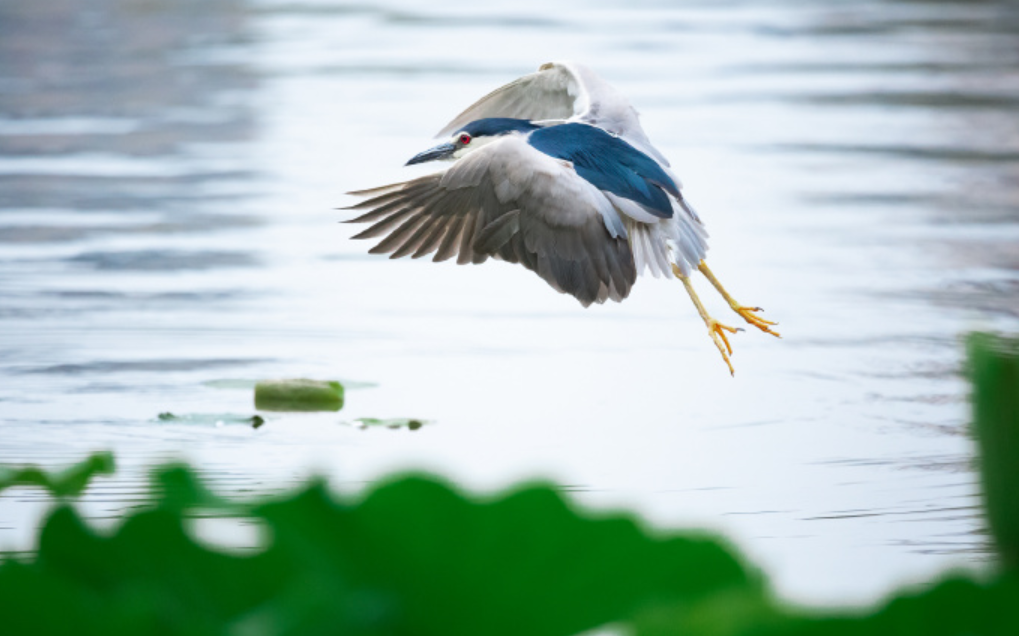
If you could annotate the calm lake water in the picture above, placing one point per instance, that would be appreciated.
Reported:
(168, 173)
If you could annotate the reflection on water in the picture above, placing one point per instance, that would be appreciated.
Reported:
(167, 177)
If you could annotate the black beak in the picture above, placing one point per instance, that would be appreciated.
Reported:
(445, 151)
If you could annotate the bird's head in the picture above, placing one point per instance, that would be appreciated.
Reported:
(473, 136)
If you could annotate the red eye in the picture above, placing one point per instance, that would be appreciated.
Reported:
(465, 139)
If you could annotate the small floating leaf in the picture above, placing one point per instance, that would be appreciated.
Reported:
(213, 419)
(298, 395)
(393, 422)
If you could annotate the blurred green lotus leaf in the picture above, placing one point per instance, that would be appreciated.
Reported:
(68, 482)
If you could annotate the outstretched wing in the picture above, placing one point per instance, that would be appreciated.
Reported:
(512, 202)
(561, 91)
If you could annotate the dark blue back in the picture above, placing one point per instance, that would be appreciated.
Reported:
(610, 164)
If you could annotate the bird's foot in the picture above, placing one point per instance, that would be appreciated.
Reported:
(717, 332)
(715, 329)
(749, 314)
(746, 313)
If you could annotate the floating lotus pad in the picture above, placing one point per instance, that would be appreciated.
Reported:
(395, 422)
(215, 419)
(298, 395)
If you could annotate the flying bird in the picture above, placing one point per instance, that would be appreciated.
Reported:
(552, 171)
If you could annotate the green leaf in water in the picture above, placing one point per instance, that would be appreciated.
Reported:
(298, 395)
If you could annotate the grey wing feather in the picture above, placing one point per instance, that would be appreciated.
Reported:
(557, 92)
(513, 203)
(550, 93)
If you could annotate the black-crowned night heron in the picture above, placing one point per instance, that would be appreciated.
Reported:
(552, 171)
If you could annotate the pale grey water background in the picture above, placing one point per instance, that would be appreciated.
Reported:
(167, 177)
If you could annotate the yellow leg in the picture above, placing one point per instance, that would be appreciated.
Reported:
(747, 313)
(715, 329)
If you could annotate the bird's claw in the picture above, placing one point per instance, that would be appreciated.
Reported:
(747, 313)
(717, 332)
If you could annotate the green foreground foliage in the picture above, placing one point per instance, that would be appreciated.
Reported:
(994, 370)
(70, 482)
(416, 557)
